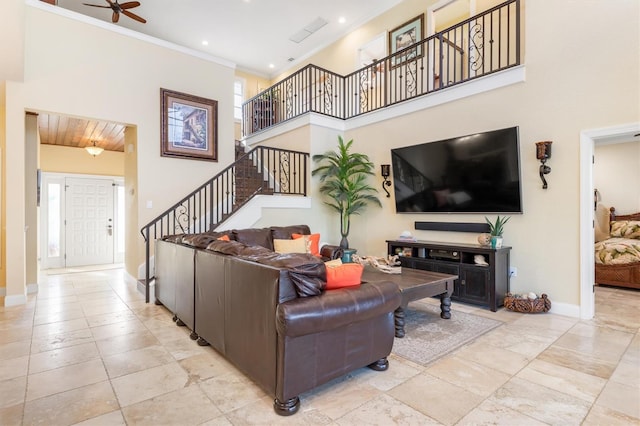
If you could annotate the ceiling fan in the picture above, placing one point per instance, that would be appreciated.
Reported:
(121, 8)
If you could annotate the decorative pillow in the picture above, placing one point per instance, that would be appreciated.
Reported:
(625, 229)
(345, 275)
(290, 246)
(312, 241)
(333, 263)
(224, 238)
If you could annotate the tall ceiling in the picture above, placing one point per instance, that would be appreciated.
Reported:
(254, 34)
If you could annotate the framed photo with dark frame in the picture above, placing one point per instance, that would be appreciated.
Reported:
(404, 36)
(189, 126)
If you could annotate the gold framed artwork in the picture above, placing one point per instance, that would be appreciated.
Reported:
(402, 37)
(189, 126)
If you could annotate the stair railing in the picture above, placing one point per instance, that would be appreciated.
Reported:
(263, 170)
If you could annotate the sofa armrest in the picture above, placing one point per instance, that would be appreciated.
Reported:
(336, 308)
(329, 252)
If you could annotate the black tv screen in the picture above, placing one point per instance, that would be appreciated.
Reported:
(477, 173)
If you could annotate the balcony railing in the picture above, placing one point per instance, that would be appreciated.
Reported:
(484, 44)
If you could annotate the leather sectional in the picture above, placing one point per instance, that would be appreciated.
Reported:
(268, 313)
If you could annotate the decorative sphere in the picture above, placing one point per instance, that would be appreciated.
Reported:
(484, 239)
(532, 296)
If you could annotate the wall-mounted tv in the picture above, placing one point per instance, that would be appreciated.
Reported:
(477, 173)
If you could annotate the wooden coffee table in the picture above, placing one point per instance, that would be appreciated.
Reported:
(415, 284)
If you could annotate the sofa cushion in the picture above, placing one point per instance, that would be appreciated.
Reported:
(345, 275)
(232, 248)
(312, 241)
(285, 232)
(202, 240)
(254, 237)
(290, 246)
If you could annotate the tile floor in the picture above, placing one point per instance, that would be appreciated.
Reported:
(88, 350)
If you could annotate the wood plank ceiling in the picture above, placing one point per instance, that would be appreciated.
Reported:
(80, 132)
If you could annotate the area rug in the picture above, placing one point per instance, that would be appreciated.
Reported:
(429, 337)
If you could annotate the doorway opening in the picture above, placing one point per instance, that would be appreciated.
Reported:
(82, 220)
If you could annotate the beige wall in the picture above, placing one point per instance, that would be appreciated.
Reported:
(616, 175)
(564, 93)
(78, 69)
(64, 159)
(2, 184)
(12, 46)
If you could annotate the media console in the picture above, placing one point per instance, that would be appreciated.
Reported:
(481, 281)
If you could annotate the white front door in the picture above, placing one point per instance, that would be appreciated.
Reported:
(89, 230)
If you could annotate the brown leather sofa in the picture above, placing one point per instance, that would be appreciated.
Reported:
(269, 315)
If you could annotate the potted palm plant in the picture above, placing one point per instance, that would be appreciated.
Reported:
(343, 181)
(496, 229)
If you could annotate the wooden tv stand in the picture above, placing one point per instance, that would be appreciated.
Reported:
(484, 285)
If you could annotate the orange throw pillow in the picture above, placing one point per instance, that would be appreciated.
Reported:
(313, 242)
(224, 238)
(345, 275)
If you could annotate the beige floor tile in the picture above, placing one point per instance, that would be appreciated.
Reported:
(15, 349)
(12, 391)
(12, 415)
(171, 333)
(49, 360)
(110, 318)
(14, 367)
(15, 334)
(140, 359)
(541, 403)
(621, 398)
(473, 377)
(113, 418)
(42, 302)
(562, 379)
(579, 361)
(508, 338)
(600, 416)
(40, 331)
(221, 421)
(261, 413)
(186, 406)
(439, 400)
(65, 378)
(491, 413)
(398, 372)
(66, 315)
(205, 365)
(499, 359)
(117, 329)
(231, 391)
(56, 308)
(627, 373)
(62, 340)
(126, 342)
(385, 410)
(145, 384)
(99, 309)
(184, 347)
(71, 406)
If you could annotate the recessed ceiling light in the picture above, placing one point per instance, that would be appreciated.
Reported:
(271, 66)
(205, 43)
(342, 20)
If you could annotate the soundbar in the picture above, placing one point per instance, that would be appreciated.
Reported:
(453, 226)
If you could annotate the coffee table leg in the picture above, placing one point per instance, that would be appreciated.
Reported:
(445, 307)
(398, 317)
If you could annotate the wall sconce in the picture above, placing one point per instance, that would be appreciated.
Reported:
(94, 150)
(543, 153)
(385, 171)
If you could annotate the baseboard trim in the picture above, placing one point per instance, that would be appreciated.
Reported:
(15, 300)
(32, 288)
(565, 309)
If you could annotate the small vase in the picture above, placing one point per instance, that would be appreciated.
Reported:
(346, 257)
(496, 242)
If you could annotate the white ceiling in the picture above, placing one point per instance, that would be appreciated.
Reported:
(251, 33)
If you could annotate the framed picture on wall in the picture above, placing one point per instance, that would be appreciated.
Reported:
(189, 126)
(404, 36)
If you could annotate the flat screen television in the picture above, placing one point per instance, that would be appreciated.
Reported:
(477, 173)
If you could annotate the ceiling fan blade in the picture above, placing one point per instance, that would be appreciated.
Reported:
(129, 5)
(134, 16)
(115, 17)
(95, 5)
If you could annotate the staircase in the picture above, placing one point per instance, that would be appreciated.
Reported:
(261, 171)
